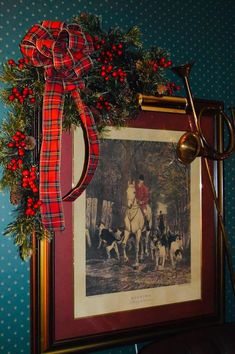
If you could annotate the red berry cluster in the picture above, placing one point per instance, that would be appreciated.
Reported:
(171, 87)
(108, 50)
(103, 104)
(29, 178)
(108, 71)
(18, 142)
(98, 42)
(163, 62)
(14, 164)
(160, 63)
(108, 53)
(21, 95)
(154, 66)
(20, 65)
(32, 206)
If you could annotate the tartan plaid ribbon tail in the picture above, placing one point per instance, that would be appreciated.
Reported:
(92, 148)
(49, 188)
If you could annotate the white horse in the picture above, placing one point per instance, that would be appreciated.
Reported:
(135, 223)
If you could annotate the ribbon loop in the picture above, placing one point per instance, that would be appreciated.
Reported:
(63, 50)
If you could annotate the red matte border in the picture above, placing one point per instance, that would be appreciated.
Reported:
(65, 325)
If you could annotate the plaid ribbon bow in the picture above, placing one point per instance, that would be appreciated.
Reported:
(63, 50)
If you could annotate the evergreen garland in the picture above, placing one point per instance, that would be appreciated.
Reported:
(121, 70)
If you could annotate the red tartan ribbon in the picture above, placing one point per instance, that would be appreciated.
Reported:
(63, 50)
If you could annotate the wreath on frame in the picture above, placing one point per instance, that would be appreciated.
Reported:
(120, 70)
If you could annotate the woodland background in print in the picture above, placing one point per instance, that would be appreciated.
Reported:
(164, 247)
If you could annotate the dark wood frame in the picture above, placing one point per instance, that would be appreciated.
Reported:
(43, 280)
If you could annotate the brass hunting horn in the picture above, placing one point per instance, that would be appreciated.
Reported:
(193, 144)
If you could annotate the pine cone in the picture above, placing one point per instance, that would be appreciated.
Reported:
(161, 89)
(30, 143)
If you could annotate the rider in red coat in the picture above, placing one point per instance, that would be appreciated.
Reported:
(142, 196)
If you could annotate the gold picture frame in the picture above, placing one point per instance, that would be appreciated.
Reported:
(55, 326)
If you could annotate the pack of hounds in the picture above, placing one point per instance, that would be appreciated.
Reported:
(161, 247)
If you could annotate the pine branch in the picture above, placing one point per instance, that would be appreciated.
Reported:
(133, 36)
(90, 23)
(22, 229)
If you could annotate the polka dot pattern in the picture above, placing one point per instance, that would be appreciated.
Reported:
(14, 292)
(190, 30)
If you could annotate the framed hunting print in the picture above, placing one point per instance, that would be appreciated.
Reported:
(140, 255)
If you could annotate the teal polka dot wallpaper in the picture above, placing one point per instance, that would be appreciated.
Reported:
(197, 30)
